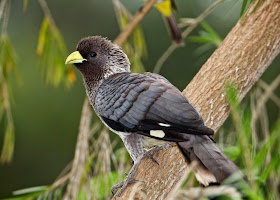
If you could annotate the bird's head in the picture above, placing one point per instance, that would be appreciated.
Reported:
(98, 58)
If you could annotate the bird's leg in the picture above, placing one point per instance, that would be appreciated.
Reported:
(129, 180)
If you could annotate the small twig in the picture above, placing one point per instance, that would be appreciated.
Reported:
(201, 193)
(253, 98)
(164, 57)
(6, 17)
(272, 96)
(61, 180)
(265, 97)
(2, 6)
(6, 155)
(119, 8)
(185, 33)
(47, 11)
(5, 94)
(134, 22)
(174, 192)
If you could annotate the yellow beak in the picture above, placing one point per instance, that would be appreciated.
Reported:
(74, 57)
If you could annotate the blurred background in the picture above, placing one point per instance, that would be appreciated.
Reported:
(46, 117)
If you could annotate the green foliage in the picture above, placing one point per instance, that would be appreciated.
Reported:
(7, 57)
(260, 163)
(8, 146)
(100, 185)
(232, 152)
(135, 46)
(7, 67)
(247, 3)
(25, 5)
(52, 53)
(28, 193)
(244, 7)
(208, 37)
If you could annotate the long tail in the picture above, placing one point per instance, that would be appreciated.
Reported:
(213, 164)
(174, 30)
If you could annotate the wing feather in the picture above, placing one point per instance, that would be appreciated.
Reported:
(142, 102)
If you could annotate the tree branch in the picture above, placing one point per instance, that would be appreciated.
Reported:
(134, 22)
(81, 153)
(241, 59)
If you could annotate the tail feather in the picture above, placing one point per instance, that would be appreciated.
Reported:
(211, 160)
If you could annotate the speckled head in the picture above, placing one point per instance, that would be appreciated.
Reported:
(98, 58)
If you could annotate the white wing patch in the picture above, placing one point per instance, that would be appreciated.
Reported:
(165, 125)
(157, 133)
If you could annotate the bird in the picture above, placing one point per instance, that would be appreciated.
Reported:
(166, 7)
(146, 110)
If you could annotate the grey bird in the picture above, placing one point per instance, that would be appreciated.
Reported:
(145, 109)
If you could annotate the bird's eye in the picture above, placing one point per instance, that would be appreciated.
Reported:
(92, 54)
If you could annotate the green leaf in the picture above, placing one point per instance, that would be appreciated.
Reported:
(8, 144)
(42, 36)
(101, 184)
(7, 68)
(233, 152)
(265, 151)
(244, 7)
(199, 39)
(29, 193)
(52, 52)
(87, 169)
(216, 39)
(139, 43)
(30, 190)
(7, 57)
(208, 37)
(82, 195)
(25, 5)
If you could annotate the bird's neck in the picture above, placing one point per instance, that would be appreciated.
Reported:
(92, 85)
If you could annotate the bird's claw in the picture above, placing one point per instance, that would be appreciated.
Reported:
(124, 184)
(130, 177)
(151, 152)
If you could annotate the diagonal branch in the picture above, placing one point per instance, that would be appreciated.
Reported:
(241, 59)
(134, 22)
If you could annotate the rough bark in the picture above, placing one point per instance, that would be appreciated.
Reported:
(241, 59)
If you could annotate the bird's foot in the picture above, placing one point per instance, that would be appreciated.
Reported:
(152, 151)
(129, 180)
(123, 185)
(130, 177)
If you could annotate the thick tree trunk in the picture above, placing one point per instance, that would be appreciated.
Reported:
(241, 59)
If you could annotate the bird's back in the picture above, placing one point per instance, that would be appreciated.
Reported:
(143, 102)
